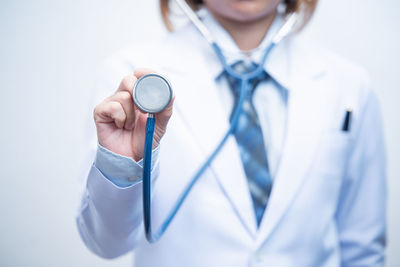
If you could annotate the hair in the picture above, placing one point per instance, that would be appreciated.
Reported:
(305, 8)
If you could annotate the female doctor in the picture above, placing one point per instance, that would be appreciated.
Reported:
(301, 180)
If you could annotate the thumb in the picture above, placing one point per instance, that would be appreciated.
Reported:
(163, 117)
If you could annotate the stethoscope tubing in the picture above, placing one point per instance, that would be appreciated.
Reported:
(147, 168)
(243, 94)
(147, 177)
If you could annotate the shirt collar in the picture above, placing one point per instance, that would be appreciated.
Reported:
(275, 68)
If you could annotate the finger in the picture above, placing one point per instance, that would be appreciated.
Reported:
(163, 117)
(143, 71)
(167, 112)
(127, 84)
(110, 111)
(125, 99)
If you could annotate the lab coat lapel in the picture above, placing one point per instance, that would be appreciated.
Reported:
(303, 130)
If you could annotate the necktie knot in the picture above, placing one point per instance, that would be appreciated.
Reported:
(244, 66)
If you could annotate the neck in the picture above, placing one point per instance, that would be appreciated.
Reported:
(247, 35)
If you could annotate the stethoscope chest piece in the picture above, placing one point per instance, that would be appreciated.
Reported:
(152, 93)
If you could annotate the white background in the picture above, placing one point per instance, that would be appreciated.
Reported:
(50, 52)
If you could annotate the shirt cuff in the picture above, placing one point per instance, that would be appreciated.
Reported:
(121, 170)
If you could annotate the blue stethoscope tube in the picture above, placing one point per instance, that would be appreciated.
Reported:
(244, 79)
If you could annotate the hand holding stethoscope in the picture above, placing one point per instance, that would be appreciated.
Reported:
(121, 124)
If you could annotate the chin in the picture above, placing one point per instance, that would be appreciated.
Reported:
(242, 10)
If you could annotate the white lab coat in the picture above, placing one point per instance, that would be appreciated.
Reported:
(327, 206)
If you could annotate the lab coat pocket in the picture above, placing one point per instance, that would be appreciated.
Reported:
(327, 172)
(332, 154)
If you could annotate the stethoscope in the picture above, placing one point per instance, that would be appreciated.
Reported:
(153, 93)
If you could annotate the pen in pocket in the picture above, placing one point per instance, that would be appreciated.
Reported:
(347, 121)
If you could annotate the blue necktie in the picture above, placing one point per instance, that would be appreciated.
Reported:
(250, 140)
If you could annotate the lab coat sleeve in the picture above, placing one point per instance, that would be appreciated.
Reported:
(109, 218)
(361, 216)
